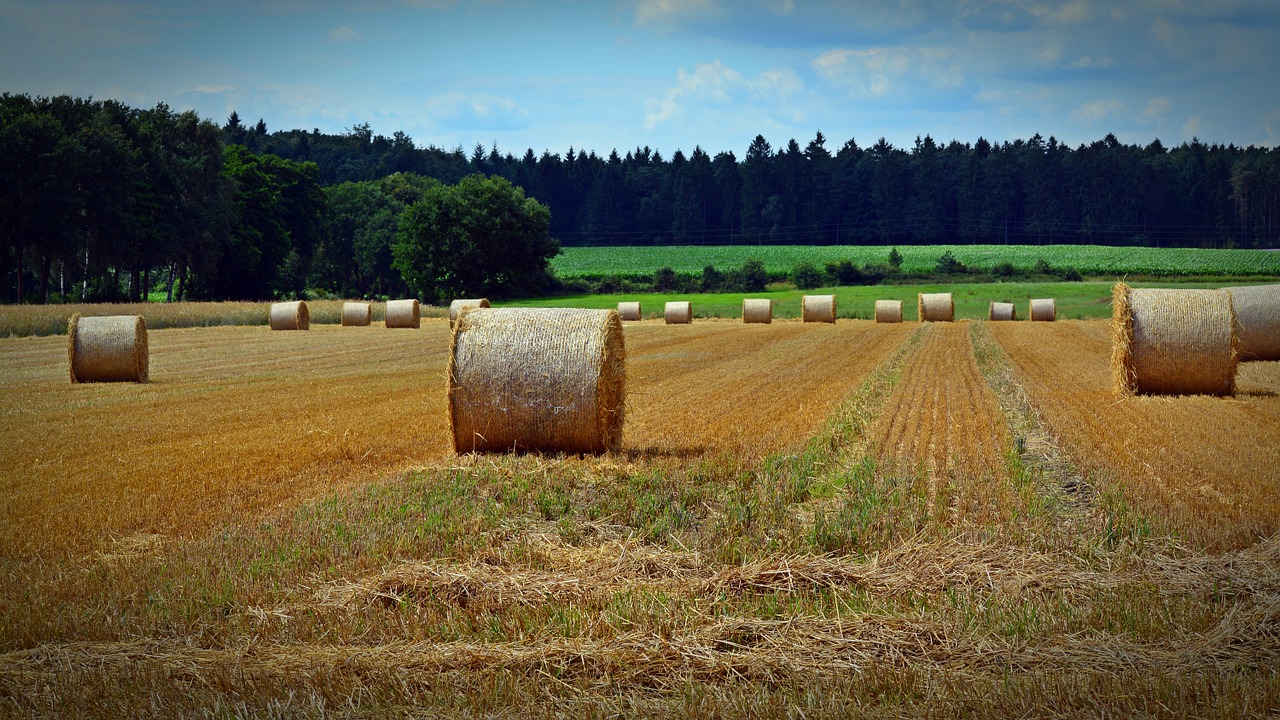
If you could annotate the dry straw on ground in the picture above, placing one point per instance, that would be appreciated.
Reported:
(1002, 311)
(107, 349)
(457, 306)
(290, 316)
(1257, 321)
(629, 311)
(757, 310)
(888, 311)
(1043, 310)
(404, 313)
(935, 307)
(537, 379)
(678, 313)
(356, 314)
(1172, 342)
(818, 308)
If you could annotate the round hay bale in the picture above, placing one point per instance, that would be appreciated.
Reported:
(290, 316)
(679, 312)
(1043, 310)
(403, 313)
(537, 379)
(1257, 321)
(818, 308)
(1172, 342)
(356, 314)
(630, 311)
(888, 311)
(935, 307)
(757, 310)
(107, 349)
(1002, 311)
(457, 306)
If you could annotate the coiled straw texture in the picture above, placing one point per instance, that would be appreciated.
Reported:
(457, 306)
(1043, 310)
(1172, 342)
(935, 307)
(356, 314)
(757, 310)
(107, 349)
(888, 311)
(403, 313)
(818, 308)
(629, 311)
(678, 312)
(1002, 311)
(290, 316)
(1257, 321)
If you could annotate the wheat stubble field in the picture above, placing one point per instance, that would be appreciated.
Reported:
(885, 520)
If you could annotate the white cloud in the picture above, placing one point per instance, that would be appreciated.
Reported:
(709, 82)
(654, 12)
(1157, 106)
(776, 84)
(213, 89)
(345, 34)
(1192, 127)
(477, 111)
(878, 71)
(1096, 110)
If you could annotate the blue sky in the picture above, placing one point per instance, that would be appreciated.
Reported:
(550, 74)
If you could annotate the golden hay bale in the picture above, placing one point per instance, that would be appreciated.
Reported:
(107, 349)
(756, 310)
(679, 312)
(1257, 321)
(888, 311)
(1175, 342)
(457, 306)
(1002, 311)
(818, 308)
(1043, 310)
(356, 314)
(935, 307)
(537, 379)
(629, 311)
(290, 316)
(403, 313)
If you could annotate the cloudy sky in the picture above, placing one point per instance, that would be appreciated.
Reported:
(605, 74)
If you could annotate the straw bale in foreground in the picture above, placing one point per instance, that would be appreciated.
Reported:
(888, 311)
(356, 314)
(1043, 310)
(457, 306)
(107, 349)
(403, 314)
(1172, 342)
(630, 311)
(537, 379)
(290, 316)
(1002, 311)
(757, 310)
(1257, 321)
(935, 307)
(679, 312)
(818, 308)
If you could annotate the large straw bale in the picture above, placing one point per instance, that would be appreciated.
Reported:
(935, 307)
(888, 311)
(818, 308)
(457, 306)
(629, 311)
(290, 316)
(1173, 342)
(679, 312)
(757, 310)
(1043, 310)
(537, 379)
(356, 314)
(405, 313)
(1002, 311)
(1257, 321)
(107, 349)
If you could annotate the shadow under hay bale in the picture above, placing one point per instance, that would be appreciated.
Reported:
(1172, 342)
(290, 316)
(1043, 310)
(1257, 321)
(1002, 311)
(457, 306)
(403, 314)
(935, 307)
(630, 311)
(537, 379)
(356, 314)
(678, 312)
(107, 349)
(888, 311)
(757, 310)
(818, 308)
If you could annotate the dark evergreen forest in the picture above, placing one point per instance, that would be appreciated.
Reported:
(102, 201)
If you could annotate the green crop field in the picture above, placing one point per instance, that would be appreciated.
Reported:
(1088, 259)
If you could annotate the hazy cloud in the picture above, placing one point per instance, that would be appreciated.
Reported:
(343, 34)
(1095, 111)
(477, 110)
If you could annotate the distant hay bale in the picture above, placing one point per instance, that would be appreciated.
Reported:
(935, 307)
(537, 379)
(818, 308)
(1257, 321)
(888, 311)
(457, 306)
(107, 349)
(756, 310)
(290, 316)
(1172, 342)
(403, 313)
(356, 314)
(1002, 311)
(1043, 310)
(678, 313)
(629, 311)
